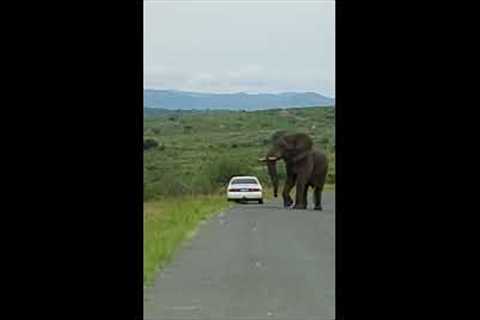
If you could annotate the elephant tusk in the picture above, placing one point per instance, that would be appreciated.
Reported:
(262, 159)
(272, 158)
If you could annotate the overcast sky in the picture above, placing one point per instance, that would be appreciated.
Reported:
(233, 46)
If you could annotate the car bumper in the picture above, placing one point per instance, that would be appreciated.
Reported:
(244, 195)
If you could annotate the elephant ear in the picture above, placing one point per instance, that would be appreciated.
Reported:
(304, 142)
(285, 144)
(278, 135)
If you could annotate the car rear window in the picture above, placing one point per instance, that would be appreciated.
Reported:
(244, 181)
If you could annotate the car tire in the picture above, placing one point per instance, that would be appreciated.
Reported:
(260, 201)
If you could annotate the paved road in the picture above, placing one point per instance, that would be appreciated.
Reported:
(252, 262)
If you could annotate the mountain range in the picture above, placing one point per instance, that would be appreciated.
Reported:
(173, 99)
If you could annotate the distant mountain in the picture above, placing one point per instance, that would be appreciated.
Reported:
(150, 112)
(155, 111)
(172, 99)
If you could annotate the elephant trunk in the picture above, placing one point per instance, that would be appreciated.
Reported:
(272, 171)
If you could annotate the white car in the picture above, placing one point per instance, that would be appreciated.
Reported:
(244, 188)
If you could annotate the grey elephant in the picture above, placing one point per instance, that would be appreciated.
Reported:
(305, 167)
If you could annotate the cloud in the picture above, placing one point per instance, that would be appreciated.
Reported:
(244, 78)
(202, 79)
(252, 78)
(248, 71)
(231, 47)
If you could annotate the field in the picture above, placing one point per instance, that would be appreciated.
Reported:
(189, 156)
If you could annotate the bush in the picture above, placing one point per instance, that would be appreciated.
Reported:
(278, 134)
(167, 183)
(149, 143)
(263, 176)
(220, 171)
(330, 178)
(202, 184)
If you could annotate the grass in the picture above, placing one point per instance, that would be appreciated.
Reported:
(170, 221)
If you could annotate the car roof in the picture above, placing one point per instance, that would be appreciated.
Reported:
(244, 177)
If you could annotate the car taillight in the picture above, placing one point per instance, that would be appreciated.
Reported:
(253, 189)
(233, 190)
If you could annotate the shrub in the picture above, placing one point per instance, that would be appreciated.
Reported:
(265, 125)
(330, 178)
(324, 141)
(169, 182)
(149, 143)
(148, 192)
(263, 176)
(202, 184)
(220, 171)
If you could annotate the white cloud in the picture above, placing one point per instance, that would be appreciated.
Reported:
(247, 71)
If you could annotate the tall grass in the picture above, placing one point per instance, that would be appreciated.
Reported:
(169, 221)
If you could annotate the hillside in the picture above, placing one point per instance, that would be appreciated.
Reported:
(153, 112)
(171, 99)
(194, 147)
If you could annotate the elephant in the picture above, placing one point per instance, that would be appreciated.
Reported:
(305, 168)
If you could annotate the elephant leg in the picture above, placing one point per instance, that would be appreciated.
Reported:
(304, 173)
(300, 202)
(319, 189)
(305, 196)
(287, 199)
(317, 196)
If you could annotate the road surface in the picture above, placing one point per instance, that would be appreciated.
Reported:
(252, 262)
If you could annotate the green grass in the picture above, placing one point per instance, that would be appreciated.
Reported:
(170, 221)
